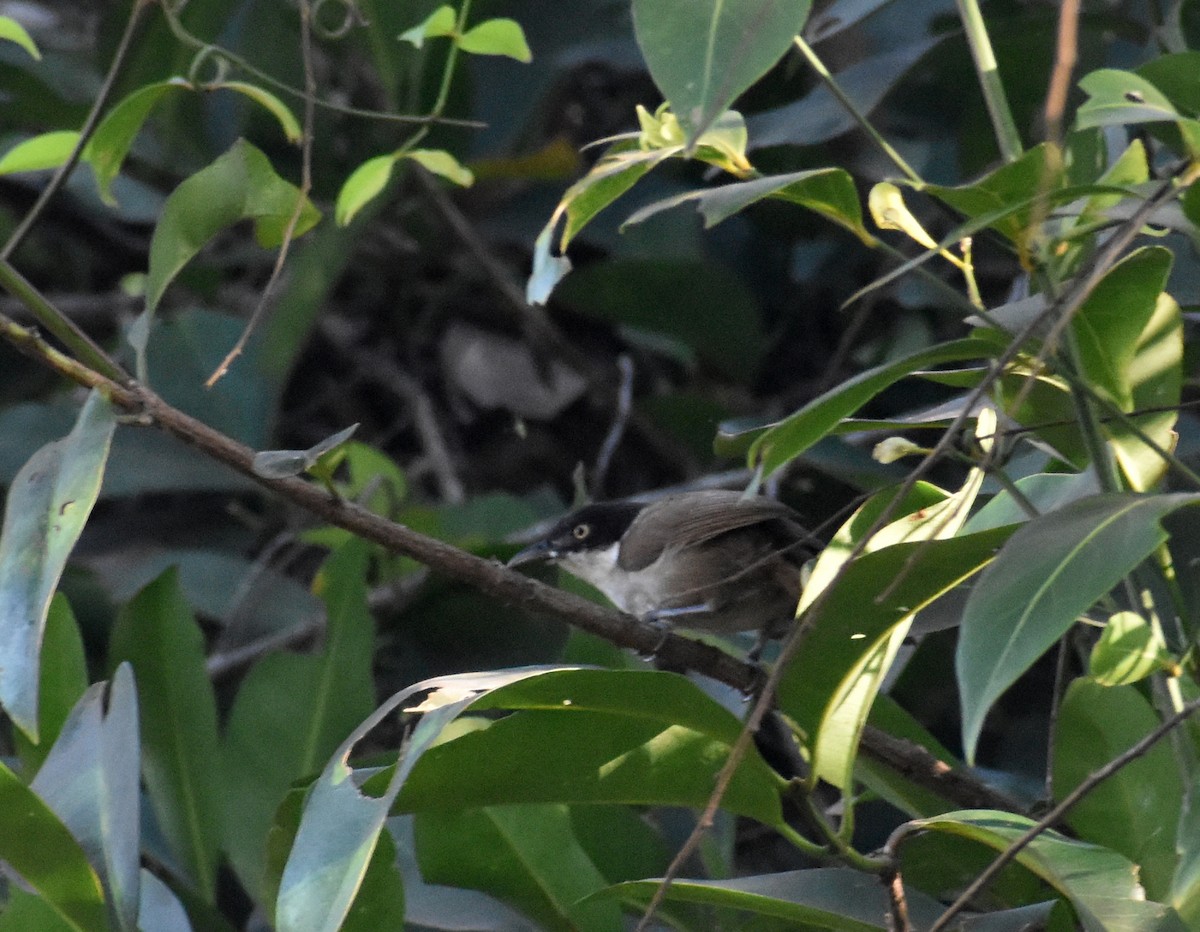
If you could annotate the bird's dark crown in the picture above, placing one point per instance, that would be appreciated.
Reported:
(593, 527)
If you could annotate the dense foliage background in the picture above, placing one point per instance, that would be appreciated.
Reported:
(295, 689)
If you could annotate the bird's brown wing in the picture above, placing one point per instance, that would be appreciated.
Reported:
(697, 517)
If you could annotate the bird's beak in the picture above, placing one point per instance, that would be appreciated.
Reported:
(539, 551)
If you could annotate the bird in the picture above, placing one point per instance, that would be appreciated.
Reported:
(709, 560)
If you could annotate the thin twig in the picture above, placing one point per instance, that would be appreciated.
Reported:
(615, 432)
(1056, 814)
(289, 231)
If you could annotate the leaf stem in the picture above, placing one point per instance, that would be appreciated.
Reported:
(1007, 137)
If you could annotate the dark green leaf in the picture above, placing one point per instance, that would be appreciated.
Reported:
(1050, 572)
(157, 634)
(48, 504)
(702, 54)
(239, 185)
(1136, 810)
(526, 855)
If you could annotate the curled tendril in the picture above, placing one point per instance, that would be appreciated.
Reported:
(210, 55)
(351, 17)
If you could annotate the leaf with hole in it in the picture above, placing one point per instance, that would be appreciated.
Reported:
(785, 440)
(49, 150)
(501, 36)
(13, 31)
(829, 192)
(1136, 810)
(158, 635)
(36, 845)
(48, 503)
(1050, 572)
(239, 185)
(1120, 98)
(703, 54)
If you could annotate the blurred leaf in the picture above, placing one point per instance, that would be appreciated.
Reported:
(292, 711)
(525, 855)
(784, 440)
(851, 634)
(90, 779)
(48, 504)
(700, 304)
(1136, 810)
(441, 22)
(64, 679)
(827, 191)
(157, 634)
(1049, 573)
(1099, 883)
(268, 101)
(49, 150)
(620, 842)
(114, 135)
(35, 844)
(443, 164)
(159, 908)
(364, 184)
(497, 37)
(1110, 322)
(13, 31)
(239, 185)
(835, 898)
(1129, 650)
(633, 737)
(703, 54)
(548, 269)
(280, 464)
(1175, 75)
(1045, 491)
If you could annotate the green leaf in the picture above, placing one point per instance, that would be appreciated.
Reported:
(834, 898)
(90, 778)
(239, 185)
(497, 37)
(48, 504)
(827, 191)
(64, 679)
(1119, 98)
(785, 440)
(1111, 321)
(292, 711)
(637, 737)
(364, 184)
(114, 135)
(280, 464)
(272, 104)
(1099, 883)
(703, 54)
(442, 163)
(1129, 650)
(527, 856)
(1136, 810)
(159, 908)
(1049, 573)
(828, 686)
(1175, 76)
(49, 150)
(441, 22)
(35, 844)
(13, 31)
(157, 634)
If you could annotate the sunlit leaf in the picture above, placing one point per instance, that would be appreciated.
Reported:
(49, 150)
(364, 184)
(497, 37)
(268, 101)
(442, 163)
(13, 31)
(440, 22)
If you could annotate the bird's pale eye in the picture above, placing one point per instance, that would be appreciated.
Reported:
(581, 531)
